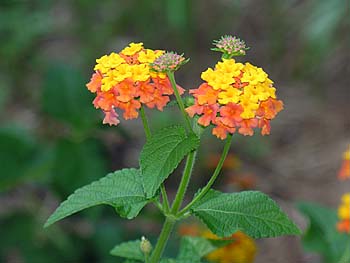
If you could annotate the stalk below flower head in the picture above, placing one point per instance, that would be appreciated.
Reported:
(125, 81)
(235, 97)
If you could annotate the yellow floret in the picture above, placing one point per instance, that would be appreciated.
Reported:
(161, 75)
(344, 211)
(259, 92)
(132, 49)
(249, 106)
(346, 199)
(229, 66)
(108, 81)
(140, 72)
(346, 155)
(208, 75)
(122, 72)
(148, 56)
(229, 95)
(105, 63)
(253, 75)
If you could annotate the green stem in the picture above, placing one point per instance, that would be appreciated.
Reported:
(184, 183)
(145, 123)
(165, 199)
(212, 179)
(171, 77)
(162, 240)
(170, 221)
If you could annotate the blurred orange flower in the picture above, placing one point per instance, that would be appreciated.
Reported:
(344, 172)
(241, 250)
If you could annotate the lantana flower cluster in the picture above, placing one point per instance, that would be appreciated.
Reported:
(235, 97)
(344, 172)
(125, 81)
(241, 249)
(343, 224)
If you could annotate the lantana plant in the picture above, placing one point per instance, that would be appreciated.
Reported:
(234, 98)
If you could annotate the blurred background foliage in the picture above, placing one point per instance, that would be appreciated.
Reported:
(52, 140)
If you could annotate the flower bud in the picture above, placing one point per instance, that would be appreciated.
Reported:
(230, 46)
(169, 61)
(145, 246)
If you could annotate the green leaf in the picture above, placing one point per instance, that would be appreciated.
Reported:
(252, 212)
(162, 154)
(192, 249)
(116, 189)
(129, 250)
(321, 235)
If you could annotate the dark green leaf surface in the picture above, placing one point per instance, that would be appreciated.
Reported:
(162, 154)
(117, 189)
(252, 212)
(129, 250)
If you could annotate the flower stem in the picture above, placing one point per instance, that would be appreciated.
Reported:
(163, 239)
(212, 179)
(171, 77)
(170, 220)
(145, 123)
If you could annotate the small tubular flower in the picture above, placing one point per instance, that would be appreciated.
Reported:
(343, 224)
(125, 81)
(344, 172)
(244, 97)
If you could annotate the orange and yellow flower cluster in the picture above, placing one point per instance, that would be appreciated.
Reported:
(344, 214)
(235, 97)
(344, 172)
(125, 81)
(241, 249)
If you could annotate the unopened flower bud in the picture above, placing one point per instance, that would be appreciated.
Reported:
(230, 46)
(145, 246)
(169, 61)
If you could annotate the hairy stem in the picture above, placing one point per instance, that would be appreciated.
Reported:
(179, 100)
(213, 177)
(162, 240)
(145, 123)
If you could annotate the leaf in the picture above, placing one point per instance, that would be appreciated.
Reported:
(192, 249)
(252, 212)
(162, 154)
(116, 189)
(321, 235)
(129, 250)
